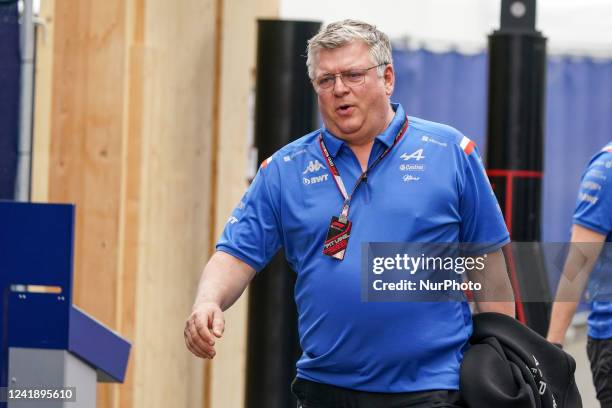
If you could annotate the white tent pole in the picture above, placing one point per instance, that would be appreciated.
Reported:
(24, 159)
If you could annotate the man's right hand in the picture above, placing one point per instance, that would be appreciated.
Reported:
(205, 324)
(223, 280)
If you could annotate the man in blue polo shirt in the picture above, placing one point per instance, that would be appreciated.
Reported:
(370, 174)
(590, 261)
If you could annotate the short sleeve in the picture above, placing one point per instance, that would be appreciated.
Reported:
(594, 201)
(252, 232)
(482, 221)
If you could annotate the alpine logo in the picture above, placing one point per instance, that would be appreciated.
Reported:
(313, 166)
(416, 155)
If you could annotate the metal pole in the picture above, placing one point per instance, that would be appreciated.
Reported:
(285, 109)
(517, 68)
(24, 159)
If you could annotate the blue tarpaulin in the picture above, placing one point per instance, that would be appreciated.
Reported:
(9, 97)
(452, 88)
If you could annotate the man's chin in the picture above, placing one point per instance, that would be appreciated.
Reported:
(348, 127)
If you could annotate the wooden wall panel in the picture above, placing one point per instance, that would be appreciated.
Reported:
(128, 95)
(85, 162)
(126, 130)
(42, 104)
(129, 217)
(237, 80)
(177, 118)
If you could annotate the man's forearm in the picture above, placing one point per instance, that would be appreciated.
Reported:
(507, 308)
(496, 294)
(583, 253)
(573, 281)
(563, 313)
(223, 280)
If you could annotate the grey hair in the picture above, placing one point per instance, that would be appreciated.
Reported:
(341, 33)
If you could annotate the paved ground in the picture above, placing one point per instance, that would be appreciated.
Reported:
(575, 345)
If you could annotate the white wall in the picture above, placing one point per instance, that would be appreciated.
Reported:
(572, 26)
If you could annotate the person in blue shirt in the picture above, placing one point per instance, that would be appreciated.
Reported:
(383, 177)
(589, 264)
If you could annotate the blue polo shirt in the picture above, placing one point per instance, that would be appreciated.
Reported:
(430, 188)
(594, 211)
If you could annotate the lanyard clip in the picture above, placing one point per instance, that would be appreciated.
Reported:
(344, 214)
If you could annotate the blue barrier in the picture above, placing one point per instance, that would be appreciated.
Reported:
(36, 249)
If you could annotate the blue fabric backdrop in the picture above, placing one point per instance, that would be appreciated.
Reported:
(9, 97)
(452, 88)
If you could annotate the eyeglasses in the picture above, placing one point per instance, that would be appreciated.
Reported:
(349, 78)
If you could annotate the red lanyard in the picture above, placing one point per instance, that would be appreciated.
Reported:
(347, 198)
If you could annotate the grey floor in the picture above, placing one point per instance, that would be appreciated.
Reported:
(575, 344)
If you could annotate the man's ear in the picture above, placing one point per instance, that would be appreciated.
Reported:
(389, 78)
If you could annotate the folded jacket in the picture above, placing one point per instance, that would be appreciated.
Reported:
(508, 365)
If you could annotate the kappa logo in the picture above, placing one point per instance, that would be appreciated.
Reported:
(416, 155)
(232, 220)
(313, 166)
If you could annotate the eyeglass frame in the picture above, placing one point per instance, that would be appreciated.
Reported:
(341, 75)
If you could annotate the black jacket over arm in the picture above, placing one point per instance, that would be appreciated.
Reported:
(509, 365)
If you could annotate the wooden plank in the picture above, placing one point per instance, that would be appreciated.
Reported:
(124, 122)
(174, 197)
(86, 146)
(236, 77)
(86, 142)
(43, 104)
(215, 136)
(129, 222)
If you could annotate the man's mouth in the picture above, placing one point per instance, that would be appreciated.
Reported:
(344, 109)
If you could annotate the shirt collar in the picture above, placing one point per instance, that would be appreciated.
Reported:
(387, 137)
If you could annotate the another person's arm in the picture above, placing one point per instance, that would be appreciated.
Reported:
(584, 250)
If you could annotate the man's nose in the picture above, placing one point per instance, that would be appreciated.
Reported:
(339, 87)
